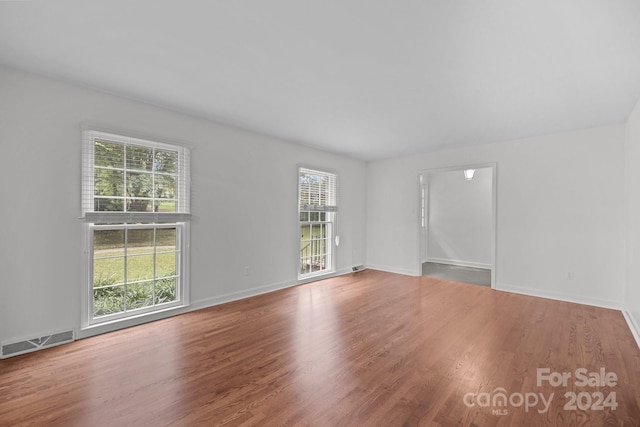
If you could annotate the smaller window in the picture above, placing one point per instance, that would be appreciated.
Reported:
(317, 210)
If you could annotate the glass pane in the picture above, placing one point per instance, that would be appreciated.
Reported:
(139, 205)
(314, 198)
(305, 232)
(109, 154)
(139, 158)
(166, 238)
(166, 161)
(164, 206)
(140, 238)
(166, 264)
(108, 204)
(323, 194)
(165, 186)
(165, 290)
(108, 182)
(304, 216)
(139, 184)
(305, 248)
(304, 195)
(139, 267)
(139, 295)
(305, 264)
(108, 271)
(316, 248)
(108, 300)
(108, 239)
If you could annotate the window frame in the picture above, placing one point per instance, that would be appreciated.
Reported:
(331, 222)
(121, 220)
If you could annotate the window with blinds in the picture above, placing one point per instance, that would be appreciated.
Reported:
(136, 210)
(125, 177)
(317, 210)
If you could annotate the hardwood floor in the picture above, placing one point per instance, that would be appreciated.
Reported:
(369, 348)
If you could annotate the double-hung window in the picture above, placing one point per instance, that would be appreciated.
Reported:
(317, 211)
(135, 196)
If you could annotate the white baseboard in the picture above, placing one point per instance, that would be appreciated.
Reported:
(634, 325)
(559, 296)
(259, 290)
(459, 263)
(197, 305)
(234, 296)
(403, 271)
(103, 328)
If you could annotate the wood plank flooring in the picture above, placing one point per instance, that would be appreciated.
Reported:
(366, 349)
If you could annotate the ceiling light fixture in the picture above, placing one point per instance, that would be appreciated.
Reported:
(468, 174)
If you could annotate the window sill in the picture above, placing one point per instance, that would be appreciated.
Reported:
(310, 277)
(139, 319)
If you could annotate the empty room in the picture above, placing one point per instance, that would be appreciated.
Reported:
(320, 213)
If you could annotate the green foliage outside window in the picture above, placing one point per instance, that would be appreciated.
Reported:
(133, 178)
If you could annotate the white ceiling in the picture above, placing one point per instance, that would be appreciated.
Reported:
(366, 78)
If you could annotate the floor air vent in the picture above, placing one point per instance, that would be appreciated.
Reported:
(27, 346)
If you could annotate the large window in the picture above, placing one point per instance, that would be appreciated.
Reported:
(136, 213)
(317, 210)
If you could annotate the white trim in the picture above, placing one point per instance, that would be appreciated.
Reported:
(103, 128)
(107, 217)
(139, 319)
(633, 324)
(182, 291)
(395, 270)
(133, 140)
(315, 275)
(331, 222)
(182, 174)
(87, 273)
(235, 296)
(423, 178)
(460, 263)
(179, 220)
(260, 290)
(559, 296)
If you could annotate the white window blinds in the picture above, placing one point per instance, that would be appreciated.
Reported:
(133, 180)
(318, 191)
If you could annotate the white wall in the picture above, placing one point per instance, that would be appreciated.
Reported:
(459, 218)
(632, 218)
(559, 199)
(244, 189)
(559, 211)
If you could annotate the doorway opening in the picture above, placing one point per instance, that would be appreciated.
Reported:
(457, 225)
